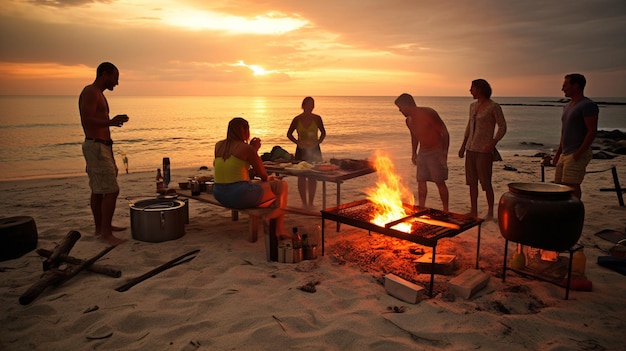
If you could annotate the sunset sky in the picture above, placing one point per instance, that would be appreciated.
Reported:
(322, 47)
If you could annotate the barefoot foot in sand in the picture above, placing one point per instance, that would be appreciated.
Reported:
(112, 240)
(118, 229)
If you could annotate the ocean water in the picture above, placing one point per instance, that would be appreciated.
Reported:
(41, 136)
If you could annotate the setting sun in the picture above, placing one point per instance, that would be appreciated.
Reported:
(256, 70)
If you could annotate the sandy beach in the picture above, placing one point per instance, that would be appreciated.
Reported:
(229, 297)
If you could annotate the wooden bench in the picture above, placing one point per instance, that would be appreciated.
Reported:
(255, 215)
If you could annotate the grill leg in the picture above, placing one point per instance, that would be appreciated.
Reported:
(338, 202)
(432, 273)
(323, 235)
(478, 247)
(506, 247)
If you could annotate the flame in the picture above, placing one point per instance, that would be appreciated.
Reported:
(388, 194)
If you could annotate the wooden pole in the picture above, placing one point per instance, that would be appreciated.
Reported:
(618, 188)
(175, 262)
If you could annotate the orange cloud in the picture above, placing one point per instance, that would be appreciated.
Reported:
(49, 70)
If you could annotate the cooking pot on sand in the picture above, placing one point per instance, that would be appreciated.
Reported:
(157, 220)
(542, 215)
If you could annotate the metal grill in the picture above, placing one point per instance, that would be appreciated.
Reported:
(360, 213)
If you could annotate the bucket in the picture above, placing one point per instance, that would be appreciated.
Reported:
(157, 220)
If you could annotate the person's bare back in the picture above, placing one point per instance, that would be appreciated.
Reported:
(426, 125)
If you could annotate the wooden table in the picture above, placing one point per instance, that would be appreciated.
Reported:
(337, 177)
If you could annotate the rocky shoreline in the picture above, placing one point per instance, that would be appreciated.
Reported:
(607, 145)
(609, 142)
(564, 101)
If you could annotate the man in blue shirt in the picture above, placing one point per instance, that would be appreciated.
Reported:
(579, 126)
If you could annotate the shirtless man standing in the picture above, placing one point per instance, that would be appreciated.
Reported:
(431, 135)
(98, 150)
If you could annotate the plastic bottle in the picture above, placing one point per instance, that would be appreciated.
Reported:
(288, 253)
(166, 172)
(519, 260)
(159, 182)
(281, 252)
(579, 261)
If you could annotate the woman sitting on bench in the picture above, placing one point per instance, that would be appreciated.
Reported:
(233, 187)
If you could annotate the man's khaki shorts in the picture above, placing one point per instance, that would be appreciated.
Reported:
(570, 171)
(101, 167)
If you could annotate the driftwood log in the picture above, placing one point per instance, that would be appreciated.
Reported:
(96, 268)
(62, 248)
(55, 275)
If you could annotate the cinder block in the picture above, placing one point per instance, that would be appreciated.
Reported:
(444, 264)
(403, 289)
(468, 283)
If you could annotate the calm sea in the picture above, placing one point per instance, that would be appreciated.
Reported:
(41, 136)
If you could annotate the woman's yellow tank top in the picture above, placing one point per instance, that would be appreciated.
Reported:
(307, 135)
(230, 170)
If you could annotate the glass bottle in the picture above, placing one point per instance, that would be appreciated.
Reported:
(159, 182)
(297, 245)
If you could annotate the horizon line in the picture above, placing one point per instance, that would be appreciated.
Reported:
(217, 95)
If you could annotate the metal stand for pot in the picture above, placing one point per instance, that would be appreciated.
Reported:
(617, 188)
(540, 274)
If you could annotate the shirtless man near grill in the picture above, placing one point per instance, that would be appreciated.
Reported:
(98, 150)
(429, 133)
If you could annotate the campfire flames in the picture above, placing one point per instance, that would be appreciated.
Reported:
(388, 194)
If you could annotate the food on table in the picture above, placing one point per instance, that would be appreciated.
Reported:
(326, 167)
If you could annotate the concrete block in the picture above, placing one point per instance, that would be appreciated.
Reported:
(444, 264)
(403, 289)
(468, 283)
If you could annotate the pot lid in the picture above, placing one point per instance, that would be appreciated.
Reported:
(540, 188)
(157, 204)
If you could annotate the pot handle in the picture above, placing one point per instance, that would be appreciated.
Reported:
(131, 199)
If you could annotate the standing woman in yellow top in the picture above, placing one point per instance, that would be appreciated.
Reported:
(307, 124)
(233, 187)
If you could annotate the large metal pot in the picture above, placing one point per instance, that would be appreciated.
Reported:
(156, 220)
(542, 215)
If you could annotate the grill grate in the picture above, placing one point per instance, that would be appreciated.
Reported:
(360, 214)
